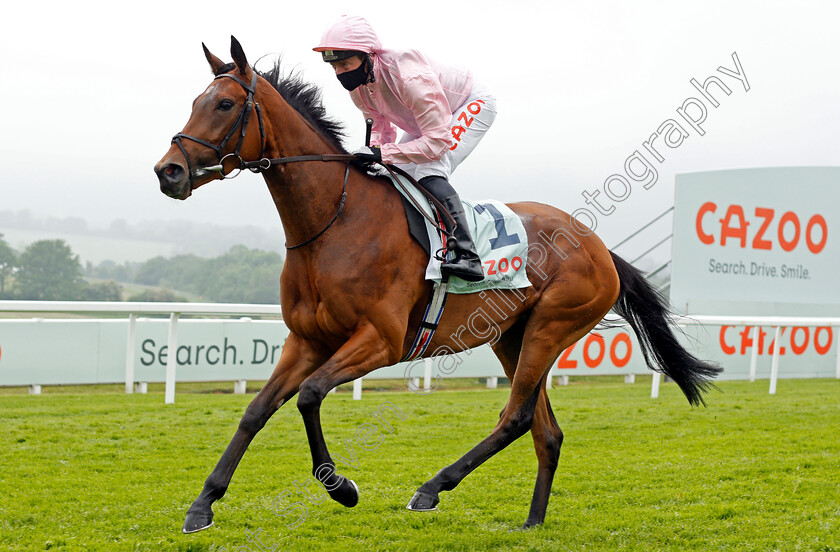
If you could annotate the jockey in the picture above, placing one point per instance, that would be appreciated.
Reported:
(443, 112)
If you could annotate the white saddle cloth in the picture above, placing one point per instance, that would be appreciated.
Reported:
(499, 238)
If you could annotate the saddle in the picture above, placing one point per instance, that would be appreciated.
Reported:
(498, 234)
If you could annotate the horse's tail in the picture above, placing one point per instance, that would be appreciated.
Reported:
(647, 312)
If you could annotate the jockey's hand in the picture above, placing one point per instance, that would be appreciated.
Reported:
(369, 154)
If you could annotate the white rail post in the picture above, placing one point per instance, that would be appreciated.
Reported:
(548, 380)
(629, 378)
(357, 389)
(654, 385)
(563, 380)
(754, 352)
(171, 359)
(240, 387)
(774, 367)
(427, 373)
(129, 354)
(837, 337)
(493, 382)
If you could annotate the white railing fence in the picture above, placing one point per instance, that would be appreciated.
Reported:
(174, 310)
(757, 322)
(481, 365)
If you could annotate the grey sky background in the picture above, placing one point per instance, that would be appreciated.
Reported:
(92, 92)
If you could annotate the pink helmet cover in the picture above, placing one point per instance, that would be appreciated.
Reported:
(351, 32)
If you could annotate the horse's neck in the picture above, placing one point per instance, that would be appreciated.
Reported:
(307, 194)
(302, 191)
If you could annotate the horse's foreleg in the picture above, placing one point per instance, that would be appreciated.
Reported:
(363, 352)
(291, 370)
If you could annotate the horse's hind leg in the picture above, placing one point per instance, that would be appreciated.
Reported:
(547, 440)
(507, 350)
(291, 370)
(543, 340)
(544, 430)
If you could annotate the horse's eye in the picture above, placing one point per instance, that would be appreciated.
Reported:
(225, 105)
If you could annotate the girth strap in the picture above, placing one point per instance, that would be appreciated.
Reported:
(431, 318)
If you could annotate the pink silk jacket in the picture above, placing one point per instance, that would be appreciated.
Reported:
(410, 92)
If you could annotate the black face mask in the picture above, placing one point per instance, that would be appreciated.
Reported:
(351, 80)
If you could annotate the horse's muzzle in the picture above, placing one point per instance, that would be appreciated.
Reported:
(174, 180)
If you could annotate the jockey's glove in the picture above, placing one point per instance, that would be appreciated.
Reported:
(369, 154)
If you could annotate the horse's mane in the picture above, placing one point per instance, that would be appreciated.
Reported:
(305, 98)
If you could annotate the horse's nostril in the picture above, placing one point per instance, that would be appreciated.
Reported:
(172, 173)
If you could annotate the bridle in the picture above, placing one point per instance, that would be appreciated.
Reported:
(263, 164)
(241, 122)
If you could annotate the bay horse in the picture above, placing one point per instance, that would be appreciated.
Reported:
(353, 289)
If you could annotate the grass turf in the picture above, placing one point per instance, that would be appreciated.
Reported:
(86, 470)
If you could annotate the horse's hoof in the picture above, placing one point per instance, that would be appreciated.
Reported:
(347, 494)
(197, 520)
(423, 502)
(529, 525)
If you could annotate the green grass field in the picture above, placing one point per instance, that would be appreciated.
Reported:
(85, 470)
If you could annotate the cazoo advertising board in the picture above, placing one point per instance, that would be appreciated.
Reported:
(757, 241)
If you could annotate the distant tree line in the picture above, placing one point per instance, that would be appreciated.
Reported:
(203, 239)
(48, 270)
(241, 275)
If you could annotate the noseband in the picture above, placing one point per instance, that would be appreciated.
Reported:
(241, 122)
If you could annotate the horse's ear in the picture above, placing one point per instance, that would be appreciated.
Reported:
(215, 63)
(238, 55)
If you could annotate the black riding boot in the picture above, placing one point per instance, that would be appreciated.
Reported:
(466, 264)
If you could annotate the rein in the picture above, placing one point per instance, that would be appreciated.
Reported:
(335, 216)
(263, 164)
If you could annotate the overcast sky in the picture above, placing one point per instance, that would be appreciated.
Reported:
(92, 92)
